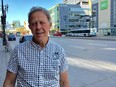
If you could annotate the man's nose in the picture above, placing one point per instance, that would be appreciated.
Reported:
(38, 25)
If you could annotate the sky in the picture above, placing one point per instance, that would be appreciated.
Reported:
(18, 9)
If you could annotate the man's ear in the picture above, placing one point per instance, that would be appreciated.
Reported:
(50, 24)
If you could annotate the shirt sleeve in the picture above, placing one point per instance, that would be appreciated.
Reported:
(63, 61)
(13, 64)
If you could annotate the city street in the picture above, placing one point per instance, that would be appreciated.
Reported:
(92, 63)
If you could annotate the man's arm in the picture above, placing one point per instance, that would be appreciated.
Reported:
(64, 82)
(10, 79)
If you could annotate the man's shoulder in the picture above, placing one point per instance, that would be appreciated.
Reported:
(22, 45)
(52, 43)
(56, 45)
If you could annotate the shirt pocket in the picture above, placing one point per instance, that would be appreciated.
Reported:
(55, 64)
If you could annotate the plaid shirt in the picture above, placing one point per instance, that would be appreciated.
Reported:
(37, 67)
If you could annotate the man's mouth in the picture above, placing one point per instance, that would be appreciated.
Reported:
(39, 33)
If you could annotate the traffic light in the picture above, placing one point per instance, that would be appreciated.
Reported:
(3, 19)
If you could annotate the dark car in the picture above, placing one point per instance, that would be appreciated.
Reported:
(25, 38)
(11, 37)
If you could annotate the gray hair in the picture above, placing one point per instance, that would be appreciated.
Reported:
(35, 9)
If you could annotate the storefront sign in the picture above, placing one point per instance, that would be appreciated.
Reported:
(104, 5)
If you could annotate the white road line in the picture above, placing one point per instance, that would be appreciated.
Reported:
(78, 47)
(83, 48)
(114, 49)
(98, 44)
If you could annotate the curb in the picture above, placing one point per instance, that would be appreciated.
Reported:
(110, 38)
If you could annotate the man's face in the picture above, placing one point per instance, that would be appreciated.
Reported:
(40, 26)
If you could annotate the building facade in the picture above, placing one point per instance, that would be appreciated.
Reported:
(83, 3)
(95, 13)
(71, 1)
(66, 17)
(107, 17)
(54, 13)
(113, 13)
(104, 13)
(69, 16)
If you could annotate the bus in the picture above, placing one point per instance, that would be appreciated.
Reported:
(84, 32)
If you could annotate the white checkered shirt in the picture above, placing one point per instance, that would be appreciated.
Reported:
(37, 67)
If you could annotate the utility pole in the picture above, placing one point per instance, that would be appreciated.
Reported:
(3, 21)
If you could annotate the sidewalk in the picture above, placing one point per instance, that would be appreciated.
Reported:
(110, 38)
(4, 57)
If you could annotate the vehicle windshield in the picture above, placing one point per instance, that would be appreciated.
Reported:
(11, 35)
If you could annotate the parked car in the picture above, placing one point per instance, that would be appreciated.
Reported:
(11, 37)
(25, 38)
(57, 34)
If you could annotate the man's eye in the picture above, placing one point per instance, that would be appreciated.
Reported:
(42, 22)
(33, 24)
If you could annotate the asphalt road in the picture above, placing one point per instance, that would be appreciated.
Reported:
(92, 63)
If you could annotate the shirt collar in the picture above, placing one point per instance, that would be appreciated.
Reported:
(38, 46)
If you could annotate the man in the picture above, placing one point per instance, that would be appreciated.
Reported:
(39, 62)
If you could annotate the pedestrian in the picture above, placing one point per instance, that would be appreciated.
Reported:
(39, 62)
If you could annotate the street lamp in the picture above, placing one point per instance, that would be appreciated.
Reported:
(3, 20)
